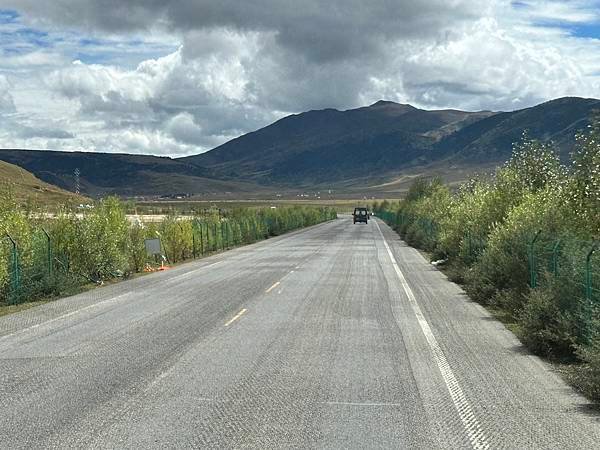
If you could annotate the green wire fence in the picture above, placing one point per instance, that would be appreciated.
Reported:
(574, 262)
(41, 266)
(36, 271)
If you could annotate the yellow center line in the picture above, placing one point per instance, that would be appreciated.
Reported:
(273, 287)
(237, 316)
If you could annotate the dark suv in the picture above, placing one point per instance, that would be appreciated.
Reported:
(360, 215)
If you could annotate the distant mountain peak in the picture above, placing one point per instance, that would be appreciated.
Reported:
(385, 103)
(391, 105)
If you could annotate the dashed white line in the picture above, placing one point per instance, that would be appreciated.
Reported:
(273, 287)
(236, 317)
(470, 422)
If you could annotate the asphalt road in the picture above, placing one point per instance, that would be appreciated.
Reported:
(338, 336)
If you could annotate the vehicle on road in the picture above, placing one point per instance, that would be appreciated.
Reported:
(360, 215)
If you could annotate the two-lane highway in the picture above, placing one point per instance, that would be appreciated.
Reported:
(337, 336)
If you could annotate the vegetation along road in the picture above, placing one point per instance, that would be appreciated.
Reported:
(335, 336)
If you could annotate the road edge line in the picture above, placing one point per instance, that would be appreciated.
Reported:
(462, 405)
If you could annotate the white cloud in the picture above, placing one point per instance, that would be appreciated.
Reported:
(486, 66)
(7, 104)
(235, 69)
(573, 11)
(183, 128)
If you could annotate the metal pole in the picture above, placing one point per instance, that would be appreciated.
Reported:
(215, 236)
(588, 272)
(15, 280)
(222, 237)
(532, 261)
(201, 239)
(555, 258)
(49, 251)
(193, 243)
(228, 234)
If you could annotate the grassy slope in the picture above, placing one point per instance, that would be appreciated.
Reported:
(26, 187)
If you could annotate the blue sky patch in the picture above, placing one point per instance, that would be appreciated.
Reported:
(585, 31)
(18, 39)
(590, 30)
(519, 5)
(8, 16)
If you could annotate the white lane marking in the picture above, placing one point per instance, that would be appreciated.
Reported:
(236, 317)
(272, 287)
(470, 422)
(363, 404)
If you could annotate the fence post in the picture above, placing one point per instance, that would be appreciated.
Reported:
(15, 275)
(193, 244)
(201, 238)
(216, 238)
(532, 261)
(222, 236)
(588, 272)
(555, 258)
(49, 253)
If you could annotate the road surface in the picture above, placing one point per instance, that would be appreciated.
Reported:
(337, 336)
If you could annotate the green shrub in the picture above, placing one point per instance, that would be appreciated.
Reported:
(96, 244)
(588, 377)
(549, 323)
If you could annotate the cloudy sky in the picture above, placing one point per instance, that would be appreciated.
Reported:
(178, 77)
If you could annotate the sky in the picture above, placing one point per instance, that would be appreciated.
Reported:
(179, 77)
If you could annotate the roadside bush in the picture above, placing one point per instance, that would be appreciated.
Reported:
(14, 222)
(176, 237)
(588, 377)
(137, 250)
(530, 224)
(548, 322)
(94, 246)
(584, 188)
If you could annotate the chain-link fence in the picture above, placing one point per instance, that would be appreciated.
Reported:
(575, 263)
(35, 271)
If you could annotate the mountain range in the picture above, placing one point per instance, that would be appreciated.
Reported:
(354, 150)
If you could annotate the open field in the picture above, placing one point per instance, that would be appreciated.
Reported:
(160, 207)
